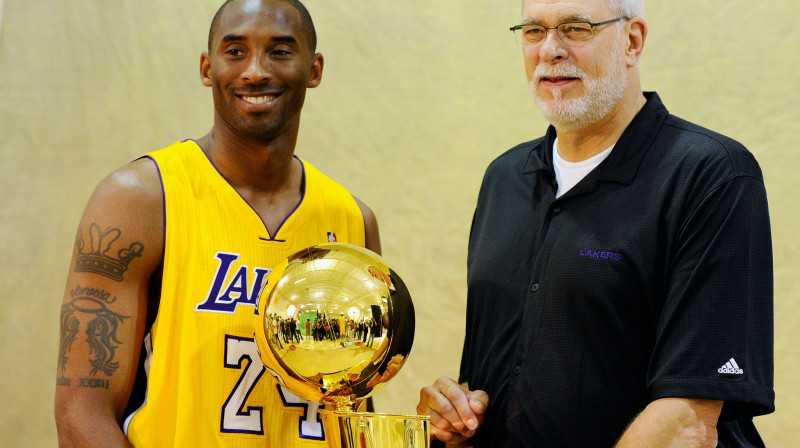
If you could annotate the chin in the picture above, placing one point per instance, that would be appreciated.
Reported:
(572, 114)
(562, 113)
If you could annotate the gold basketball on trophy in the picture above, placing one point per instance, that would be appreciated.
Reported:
(335, 323)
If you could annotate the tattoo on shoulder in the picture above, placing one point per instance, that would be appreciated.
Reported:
(95, 255)
(88, 310)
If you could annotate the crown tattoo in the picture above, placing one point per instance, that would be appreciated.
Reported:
(96, 259)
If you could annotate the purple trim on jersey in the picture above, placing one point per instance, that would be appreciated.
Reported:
(139, 394)
(163, 205)
(138, 398)
(302, 196)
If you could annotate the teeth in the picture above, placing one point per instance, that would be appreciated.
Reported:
(258, 99)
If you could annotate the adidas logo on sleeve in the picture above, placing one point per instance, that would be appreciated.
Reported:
(731, 368)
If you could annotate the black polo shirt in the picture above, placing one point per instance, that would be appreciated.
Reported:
(650, 278)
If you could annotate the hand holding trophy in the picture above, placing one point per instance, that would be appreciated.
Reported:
(363, 328)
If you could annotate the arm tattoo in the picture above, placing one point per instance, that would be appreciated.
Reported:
(96, 258)
(89, 305)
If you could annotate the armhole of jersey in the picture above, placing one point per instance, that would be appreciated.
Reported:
(163, 202)
(139, 393)
(138, 397)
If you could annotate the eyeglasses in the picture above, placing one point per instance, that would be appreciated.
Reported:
(571, 33)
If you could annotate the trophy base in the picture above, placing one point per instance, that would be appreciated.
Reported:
(375, 430)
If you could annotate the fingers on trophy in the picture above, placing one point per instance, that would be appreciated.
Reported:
(359, 327)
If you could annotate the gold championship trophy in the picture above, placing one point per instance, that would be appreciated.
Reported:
(361, 326)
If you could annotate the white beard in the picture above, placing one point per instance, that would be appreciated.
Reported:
(601, 95)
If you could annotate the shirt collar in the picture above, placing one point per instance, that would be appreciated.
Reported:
(623, 162)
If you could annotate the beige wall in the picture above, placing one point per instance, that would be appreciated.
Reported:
(418, 96)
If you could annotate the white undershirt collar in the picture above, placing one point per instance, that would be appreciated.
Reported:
(568, 174)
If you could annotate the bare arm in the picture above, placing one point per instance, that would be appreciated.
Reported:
(118, 247)
(674, 422)
(456, 412)
(372, 236)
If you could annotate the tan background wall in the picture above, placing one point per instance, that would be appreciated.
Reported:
(418, 96)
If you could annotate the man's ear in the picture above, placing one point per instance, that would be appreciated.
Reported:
(205, 69)
(637, 34)
(315, 71)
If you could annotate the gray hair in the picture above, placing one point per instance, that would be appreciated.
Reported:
(626, 8)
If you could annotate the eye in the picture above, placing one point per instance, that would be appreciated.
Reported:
(281, 50)
(532, 31)
(576, 31)
(234, 52)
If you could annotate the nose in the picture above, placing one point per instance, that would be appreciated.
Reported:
(552, 48)
(257, 69)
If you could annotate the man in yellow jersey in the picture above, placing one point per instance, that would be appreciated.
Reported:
(157, 319)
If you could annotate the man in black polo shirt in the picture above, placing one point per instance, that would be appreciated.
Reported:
(620, 267)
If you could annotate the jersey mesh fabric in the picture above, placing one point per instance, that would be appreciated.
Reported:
(206, 386)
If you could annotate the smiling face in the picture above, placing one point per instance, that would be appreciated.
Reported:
(575, 86)
(259, 65)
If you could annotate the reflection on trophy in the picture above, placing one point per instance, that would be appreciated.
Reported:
(335, 323)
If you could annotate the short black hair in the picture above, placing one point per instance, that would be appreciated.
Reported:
(305, 17)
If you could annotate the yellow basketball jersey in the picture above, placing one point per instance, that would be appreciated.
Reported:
(206, 386)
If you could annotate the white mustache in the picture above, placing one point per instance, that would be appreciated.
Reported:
(558, 71)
